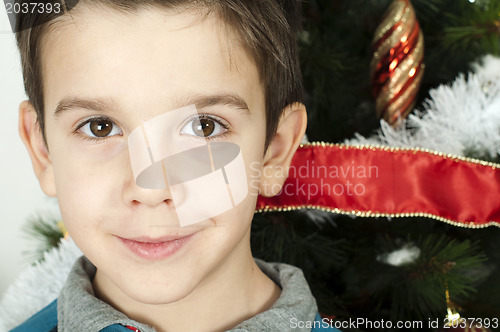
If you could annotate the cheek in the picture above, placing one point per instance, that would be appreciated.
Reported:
(87, 183)
(233, 224)
(228, 229)
(253, 167)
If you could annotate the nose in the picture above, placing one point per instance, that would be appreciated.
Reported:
(151, 197)
(136, 194)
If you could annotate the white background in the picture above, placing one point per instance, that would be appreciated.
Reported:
(20, 194)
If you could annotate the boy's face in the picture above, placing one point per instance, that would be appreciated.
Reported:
(124, 69)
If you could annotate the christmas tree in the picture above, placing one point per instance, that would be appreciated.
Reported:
(378, 268)
(397, 269)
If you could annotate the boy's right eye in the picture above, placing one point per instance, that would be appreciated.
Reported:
(99, 128)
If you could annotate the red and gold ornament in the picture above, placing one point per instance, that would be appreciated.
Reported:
(397, 64)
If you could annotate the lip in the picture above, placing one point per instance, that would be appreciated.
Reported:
(155, 248)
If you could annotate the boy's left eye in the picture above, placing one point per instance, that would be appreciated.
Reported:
(99, 128)
(204, 126)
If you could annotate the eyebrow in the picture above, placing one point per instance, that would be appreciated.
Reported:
(94, 104)
(110, 106)
(228, 99)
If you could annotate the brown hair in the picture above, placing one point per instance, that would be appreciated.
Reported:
(266, 28)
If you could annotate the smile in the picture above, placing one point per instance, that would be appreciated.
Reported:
(155, 249)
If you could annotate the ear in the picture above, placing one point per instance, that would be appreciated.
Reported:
(291, 129)
(32, 137)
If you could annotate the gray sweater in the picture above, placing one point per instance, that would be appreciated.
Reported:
(79, 310)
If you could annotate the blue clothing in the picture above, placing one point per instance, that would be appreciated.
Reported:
(78, 309)
(46, 321)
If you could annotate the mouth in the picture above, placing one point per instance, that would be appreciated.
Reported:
(155, 248)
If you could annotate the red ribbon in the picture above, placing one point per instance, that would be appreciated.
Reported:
(383, 181)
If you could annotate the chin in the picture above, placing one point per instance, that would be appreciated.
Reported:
(159, 294)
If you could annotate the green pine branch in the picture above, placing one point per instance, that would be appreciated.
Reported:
(416, 290)
(477, 26)
(45, 233)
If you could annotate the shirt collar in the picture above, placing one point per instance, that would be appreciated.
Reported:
(79, 310)
(296, 302)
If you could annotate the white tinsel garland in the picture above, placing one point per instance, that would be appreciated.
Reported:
(458, 119)
(38, 285)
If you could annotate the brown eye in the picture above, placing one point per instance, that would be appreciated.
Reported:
(203, 127)
(101, 127)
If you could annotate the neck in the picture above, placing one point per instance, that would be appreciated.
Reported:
(236, 291)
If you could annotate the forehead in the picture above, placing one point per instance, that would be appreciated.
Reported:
(145, 59)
